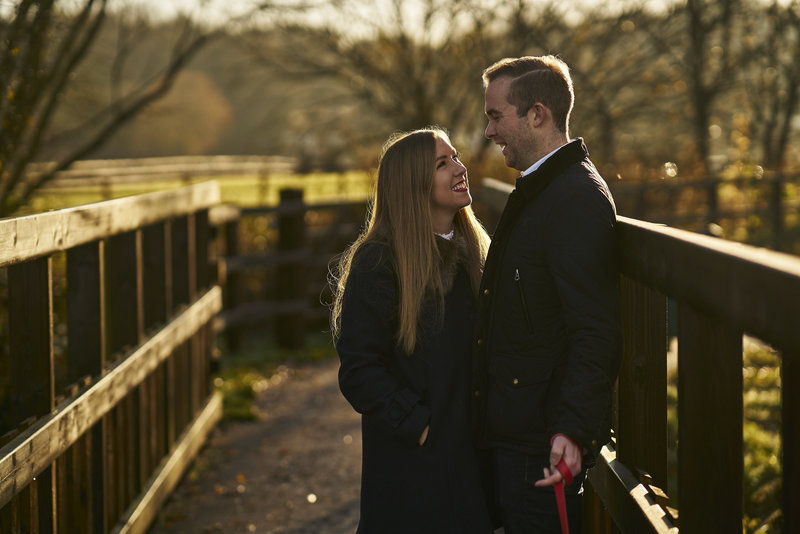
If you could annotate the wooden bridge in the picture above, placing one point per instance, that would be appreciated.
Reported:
(110, 361)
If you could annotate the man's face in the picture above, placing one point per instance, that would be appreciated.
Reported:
(511, 132)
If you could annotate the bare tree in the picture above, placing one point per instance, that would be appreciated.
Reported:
(412, 66)
(43, 45)
(772, 77)
(710, 60)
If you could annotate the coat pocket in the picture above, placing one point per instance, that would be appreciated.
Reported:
(517, 398)
(523, 300)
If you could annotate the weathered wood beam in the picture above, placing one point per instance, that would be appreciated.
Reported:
(141, 513)
(24, 238)
(756, 290)
(629, 502)
(36, 448)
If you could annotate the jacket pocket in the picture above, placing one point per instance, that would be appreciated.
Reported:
(518, 397)
(523, 301)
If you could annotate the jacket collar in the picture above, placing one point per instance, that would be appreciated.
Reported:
(566, 156)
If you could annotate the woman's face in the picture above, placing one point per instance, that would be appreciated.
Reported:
(450, 190)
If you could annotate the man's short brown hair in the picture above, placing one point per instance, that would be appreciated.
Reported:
(543, 79)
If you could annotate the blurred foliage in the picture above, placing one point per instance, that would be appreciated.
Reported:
(259, 364)
(761, 431)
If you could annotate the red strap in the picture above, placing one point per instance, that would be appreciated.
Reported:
(561, 500)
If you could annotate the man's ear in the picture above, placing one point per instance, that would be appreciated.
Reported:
(538, 114)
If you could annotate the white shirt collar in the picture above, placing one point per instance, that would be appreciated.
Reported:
(539, 163)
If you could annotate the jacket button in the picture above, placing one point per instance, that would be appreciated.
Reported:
(515, 381)
(485, 291)
(594, 443)
(480, 341)
(477, 393)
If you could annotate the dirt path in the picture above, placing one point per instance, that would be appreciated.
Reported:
(295, 471)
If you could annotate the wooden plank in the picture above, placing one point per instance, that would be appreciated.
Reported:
(710, 461)
(23, 238)
(289, 208)
(30, 338)
(123, 291)
(202, 238)
(290, 278)
(642, 431)
(626, 499)
(85, 311)
(31, 366)
(756, 290)
(257, 313)
(232, 279)
(154, 270)
(86, 356)
(180, 262)
(25, 456)
(141, 513)
(224, 213)
(790, 435)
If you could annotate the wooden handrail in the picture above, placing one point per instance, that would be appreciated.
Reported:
(23, 238)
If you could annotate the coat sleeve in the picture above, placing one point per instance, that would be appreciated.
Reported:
(582, 259)
(366, 346)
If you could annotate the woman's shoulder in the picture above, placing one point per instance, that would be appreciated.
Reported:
(372, 256)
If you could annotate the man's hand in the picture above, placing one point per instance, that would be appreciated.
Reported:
(424, 437)
(566, 449)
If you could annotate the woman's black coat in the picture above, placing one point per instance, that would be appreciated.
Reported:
(407, 488)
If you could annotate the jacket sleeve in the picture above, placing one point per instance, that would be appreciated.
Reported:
(366, 346)
(582, 259)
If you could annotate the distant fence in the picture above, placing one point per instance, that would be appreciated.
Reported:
(282, 283)
(722, 290)
(100, 435)
(89, 173)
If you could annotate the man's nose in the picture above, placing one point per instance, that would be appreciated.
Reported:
(489, 132)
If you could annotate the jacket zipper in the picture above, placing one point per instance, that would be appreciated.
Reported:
(525, 311)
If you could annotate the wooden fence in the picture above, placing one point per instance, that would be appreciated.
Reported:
(283, 282)
(101, 432)
(722, 290)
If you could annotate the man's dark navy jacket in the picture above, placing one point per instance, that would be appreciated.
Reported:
(549, 341)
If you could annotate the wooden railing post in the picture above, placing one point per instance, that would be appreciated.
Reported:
(30, 340)
(642, 395)
(231, 295)
(710, 464)
(291, 282)
(86, 357)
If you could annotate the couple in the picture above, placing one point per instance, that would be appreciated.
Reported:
(483, 374)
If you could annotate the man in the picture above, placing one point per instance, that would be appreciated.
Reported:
(549, 341)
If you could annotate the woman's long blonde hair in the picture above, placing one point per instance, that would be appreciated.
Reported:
(400, 217)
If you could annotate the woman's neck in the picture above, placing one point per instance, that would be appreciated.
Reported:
(444, 225)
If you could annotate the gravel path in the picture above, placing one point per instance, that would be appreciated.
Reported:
(295, 471)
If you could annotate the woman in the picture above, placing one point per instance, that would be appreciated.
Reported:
(403, 320)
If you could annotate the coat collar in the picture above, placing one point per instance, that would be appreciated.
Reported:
(531, 184)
